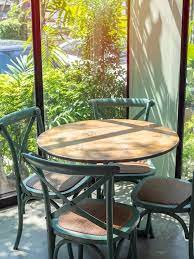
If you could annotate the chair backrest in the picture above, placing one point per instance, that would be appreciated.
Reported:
(104, 173)
(17, 140)
(144, 104)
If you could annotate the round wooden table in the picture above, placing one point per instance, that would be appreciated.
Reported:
(103, 141)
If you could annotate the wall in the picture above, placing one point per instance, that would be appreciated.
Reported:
(155, 62)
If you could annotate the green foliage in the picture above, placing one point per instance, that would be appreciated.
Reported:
(190, 67)
(23, 65)
(102, 27)
(65, 100)
(190, 52)
(15, 26)
(55, 16)
(16, 88)
(189, 97)
(15, 95)
(66, 91)
(190, 56)
(18, 12)
(191, 45)
(188, 151)
(12, 29)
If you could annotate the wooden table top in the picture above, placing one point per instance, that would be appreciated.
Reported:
(102, 141)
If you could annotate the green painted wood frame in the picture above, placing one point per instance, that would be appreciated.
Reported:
(187, 206)
(24, 192)
(105, 174)
(143, 103)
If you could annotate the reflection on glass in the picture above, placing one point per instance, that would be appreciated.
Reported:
(84, 56)
(16, 76)
(188, 152)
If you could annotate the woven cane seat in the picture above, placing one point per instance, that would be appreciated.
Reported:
(74, 222)
(61, 182)
(167, 191)
(139, 167)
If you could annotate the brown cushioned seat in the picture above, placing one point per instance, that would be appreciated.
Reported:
(74, 222)
(139, 167)
(166, 191)
(61, 182)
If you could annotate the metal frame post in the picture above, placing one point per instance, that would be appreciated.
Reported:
(36, 36)
(128, 52)
(182, 86)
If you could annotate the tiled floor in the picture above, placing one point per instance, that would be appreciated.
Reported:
(169, 242)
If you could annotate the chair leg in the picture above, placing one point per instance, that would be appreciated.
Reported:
(56, 249)
(181, 221)
(118, 249)
(97, 250)
(51, 244)
(191, 256)
(191, 229)
(133, 246)
(149, 228)
(80, 251)
(70, 251)
(109, 218)
(21, 205)
(114, 247)
(130, 253)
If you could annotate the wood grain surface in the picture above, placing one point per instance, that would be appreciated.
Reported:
(103, 141)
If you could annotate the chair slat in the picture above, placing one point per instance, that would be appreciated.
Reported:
(122, 102)
(19, 115)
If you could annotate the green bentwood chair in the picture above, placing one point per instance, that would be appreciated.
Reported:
(131, 171)
(84, 220)
(168, 196)
(30, 188)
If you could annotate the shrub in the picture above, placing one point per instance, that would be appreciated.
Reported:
(188, 151)
(13, 29)
(66, 91)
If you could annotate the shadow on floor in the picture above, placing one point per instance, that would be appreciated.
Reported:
(169, 242)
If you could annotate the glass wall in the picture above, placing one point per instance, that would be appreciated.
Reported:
(188, 152)
(16, 78)
(84, 54)
(84, 45)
